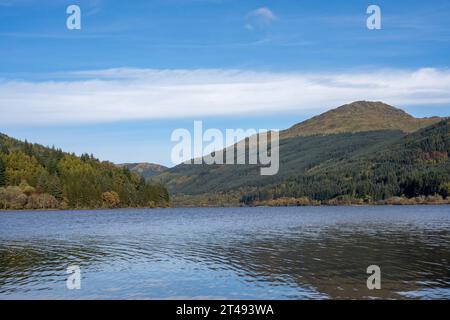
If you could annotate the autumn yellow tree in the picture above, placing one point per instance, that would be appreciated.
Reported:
(111, 199)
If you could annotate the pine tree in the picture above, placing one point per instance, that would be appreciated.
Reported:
(2, 173)
(4, 149)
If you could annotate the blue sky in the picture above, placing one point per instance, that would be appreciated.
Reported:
(138, 70)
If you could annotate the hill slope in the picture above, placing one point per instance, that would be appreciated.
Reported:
(416, 165)
(297, 154)
(357, 117)
(36, 177)
(333, 137)
(144, 169)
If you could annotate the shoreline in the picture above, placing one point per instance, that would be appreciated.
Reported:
(322, 205)
(231, 206)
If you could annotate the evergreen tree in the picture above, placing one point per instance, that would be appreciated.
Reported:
(63, 179)
(2, 173)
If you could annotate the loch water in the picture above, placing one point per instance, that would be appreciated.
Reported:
(227, 253)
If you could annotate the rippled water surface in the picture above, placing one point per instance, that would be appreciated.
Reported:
(233, 253)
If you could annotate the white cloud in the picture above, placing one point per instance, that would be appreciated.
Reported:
(259, 18)
(130, 94)
(264, 14)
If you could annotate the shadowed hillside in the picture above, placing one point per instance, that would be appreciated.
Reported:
(358, 130)
(415, 166)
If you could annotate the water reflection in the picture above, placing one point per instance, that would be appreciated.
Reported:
(295, 253)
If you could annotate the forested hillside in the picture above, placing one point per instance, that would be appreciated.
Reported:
(36, 177)
(363, 152)
(144, 169)
(297, 155)
(416, 166)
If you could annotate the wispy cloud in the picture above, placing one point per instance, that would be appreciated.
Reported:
(265, 14)
(130, 94)
(260, 17)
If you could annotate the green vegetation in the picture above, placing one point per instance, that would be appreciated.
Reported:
(415, 167)
(359, 116)
(374, 154)
(36, 177)
(144, 169)
(297, 154)
(361, 153)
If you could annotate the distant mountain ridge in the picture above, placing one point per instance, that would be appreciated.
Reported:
(144, 169)
(359, 116)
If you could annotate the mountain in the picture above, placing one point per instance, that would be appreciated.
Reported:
(415, 166)
(36, 177)
(353, 131)
(144, 169)
(359, 116)
(297, 154)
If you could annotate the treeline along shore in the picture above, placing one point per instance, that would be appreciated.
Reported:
(36, 177)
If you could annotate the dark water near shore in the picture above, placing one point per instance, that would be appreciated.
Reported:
(232, 253)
